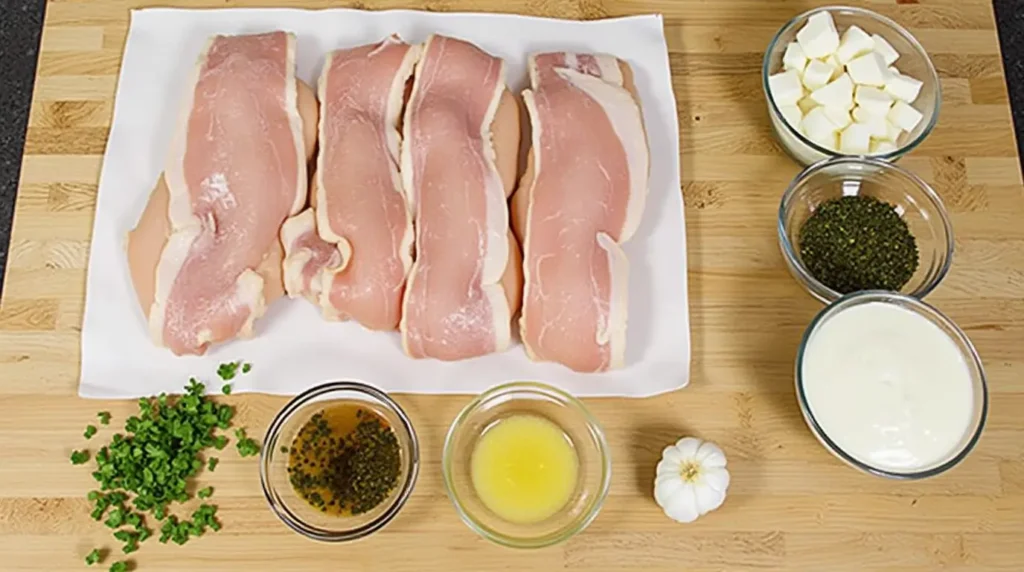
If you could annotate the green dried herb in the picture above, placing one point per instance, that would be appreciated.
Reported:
(857, 243)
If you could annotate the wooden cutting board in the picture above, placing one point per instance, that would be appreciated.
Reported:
(791, 505)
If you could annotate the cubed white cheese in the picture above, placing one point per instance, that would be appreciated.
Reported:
(904, 116)
(855, 140)
(892, 132)
(838, 93)
(817, 74)
(806, 105)
(885, 49)
(882, 147)
(818, 37)
(819, 128)
(855, 42)
(792, 115)
(794, 58)
(785, 87)
(893, 70)
(839, 117)
(868, 69)
(872, 100)
(903, 87)
(876, 124)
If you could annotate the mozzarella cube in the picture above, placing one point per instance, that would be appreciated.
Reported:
(885, 49)
(855, 140)
(785, 87)
(838, 93)
(873, 100)
(882, 147)
(893, 70)
(792, 115)
(818, 37)
(817, 74)
(806, 105)
(819, 128)
(903, 87)
(904, 116)
(794, 58)
(868, 69)
(855, 42)
(838, 116)
(892, 133)
(876, 124)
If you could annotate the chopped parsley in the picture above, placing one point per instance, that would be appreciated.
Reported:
(93, 557)
(226, 390)
(152, 464)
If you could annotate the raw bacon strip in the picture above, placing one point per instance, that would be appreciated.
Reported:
(360, 206)
(236, 170)
(580, 199)
(461, 133)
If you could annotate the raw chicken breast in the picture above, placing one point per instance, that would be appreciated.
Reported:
(358, 268)
(580, 199)
(459, 155)
(205, 257)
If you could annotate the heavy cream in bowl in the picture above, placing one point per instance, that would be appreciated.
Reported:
(891, 386)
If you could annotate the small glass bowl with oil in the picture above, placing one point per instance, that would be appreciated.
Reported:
(526, 465)
(303, 460)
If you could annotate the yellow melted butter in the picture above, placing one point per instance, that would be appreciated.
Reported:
(524, 469)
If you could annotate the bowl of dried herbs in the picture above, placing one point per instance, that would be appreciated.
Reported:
(339, 461)
(856, 223)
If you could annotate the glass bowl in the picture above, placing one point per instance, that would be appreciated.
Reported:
(970, 355)
(565, 411)
(296, 512)
(913, 61)
(914, 200)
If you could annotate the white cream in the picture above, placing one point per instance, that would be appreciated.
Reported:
(888, 386)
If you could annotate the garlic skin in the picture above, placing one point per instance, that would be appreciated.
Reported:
(691, 479)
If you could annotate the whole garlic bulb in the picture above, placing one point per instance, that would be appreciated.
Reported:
(691, 479)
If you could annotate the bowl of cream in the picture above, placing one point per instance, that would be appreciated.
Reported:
(891, 386)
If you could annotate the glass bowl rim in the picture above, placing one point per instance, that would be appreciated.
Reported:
(919, 307)
(596, 432)
(813, 285)
(933, 77)
(293, 521)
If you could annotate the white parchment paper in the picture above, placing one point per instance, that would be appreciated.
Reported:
(294, 348)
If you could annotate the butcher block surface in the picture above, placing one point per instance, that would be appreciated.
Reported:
(791, 505)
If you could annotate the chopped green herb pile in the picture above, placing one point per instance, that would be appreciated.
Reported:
(857, 243)
(142, 472)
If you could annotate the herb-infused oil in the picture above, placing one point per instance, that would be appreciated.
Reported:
(345, 460)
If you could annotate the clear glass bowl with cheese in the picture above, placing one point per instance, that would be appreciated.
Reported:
(526, 465)
(843, 81)
(891, 386)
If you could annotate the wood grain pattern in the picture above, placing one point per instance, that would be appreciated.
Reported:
(791, 507)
